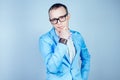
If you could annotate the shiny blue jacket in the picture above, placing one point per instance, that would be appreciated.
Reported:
(58, 66)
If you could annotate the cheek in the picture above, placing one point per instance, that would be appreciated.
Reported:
(66, 24)
(56, 27)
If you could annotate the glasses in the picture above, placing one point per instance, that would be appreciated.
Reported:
(61, 19)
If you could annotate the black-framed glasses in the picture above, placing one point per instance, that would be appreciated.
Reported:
(61, 19)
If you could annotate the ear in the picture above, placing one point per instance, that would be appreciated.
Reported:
(68, 16)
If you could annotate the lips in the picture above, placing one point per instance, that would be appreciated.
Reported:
(60, 27)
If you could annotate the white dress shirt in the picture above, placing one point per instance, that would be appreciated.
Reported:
(71, 49)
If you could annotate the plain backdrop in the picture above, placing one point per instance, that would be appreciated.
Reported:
(22, 22)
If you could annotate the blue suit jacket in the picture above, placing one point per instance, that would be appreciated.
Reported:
(58, 66)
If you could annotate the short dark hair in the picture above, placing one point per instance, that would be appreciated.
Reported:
(58, 5)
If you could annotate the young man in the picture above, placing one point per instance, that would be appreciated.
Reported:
(64, 50)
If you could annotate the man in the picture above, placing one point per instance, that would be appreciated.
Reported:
(63, 50)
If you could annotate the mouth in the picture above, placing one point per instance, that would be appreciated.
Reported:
(60, 27)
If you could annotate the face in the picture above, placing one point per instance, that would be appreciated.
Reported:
(60, 16)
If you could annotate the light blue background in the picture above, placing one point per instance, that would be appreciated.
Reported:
(23, 21)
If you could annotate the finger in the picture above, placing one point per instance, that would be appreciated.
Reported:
(64, 28)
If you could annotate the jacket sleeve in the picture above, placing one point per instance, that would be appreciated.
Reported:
(52, 55)
(85, 58)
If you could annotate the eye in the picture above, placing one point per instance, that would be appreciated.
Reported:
(53, 19)
(62, 17)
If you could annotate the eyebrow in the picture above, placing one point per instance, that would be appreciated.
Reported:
(59, 17)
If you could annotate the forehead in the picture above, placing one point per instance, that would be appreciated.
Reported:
(55, 13)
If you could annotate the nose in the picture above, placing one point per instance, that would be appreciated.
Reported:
(59, 22)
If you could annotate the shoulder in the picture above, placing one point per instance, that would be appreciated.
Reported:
(76, 33)
(78, 37)
(46, 37)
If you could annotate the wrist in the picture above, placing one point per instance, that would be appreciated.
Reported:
(62, 40)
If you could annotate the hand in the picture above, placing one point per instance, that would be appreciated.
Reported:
(64, 33)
